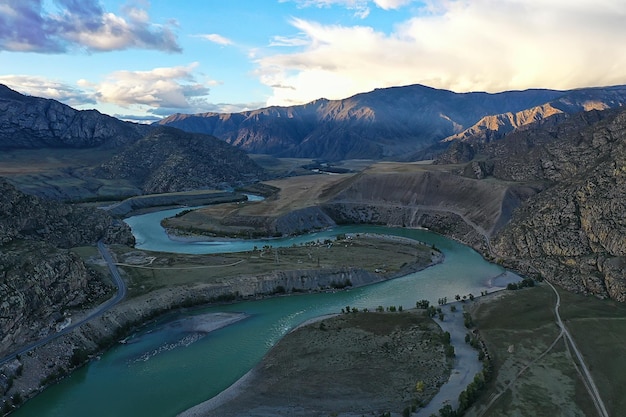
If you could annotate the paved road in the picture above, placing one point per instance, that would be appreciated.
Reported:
(121, 293)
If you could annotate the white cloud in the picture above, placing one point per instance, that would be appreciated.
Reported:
(43, 87)
(149, 95)
(477, 45)
(215, 38)
(169, 87)
(289, 41)
(27, 26)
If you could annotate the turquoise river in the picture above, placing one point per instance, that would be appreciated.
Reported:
(168, 367)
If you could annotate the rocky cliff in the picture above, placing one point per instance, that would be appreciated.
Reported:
(33, 122)
(574, 232)
(26, 217)
(394, 123)
(39, 279)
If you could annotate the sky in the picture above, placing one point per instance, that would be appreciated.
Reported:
(142, 60)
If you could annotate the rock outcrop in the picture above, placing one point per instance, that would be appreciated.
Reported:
(39, 283)
(26, 217)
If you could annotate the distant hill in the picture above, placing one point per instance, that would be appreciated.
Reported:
(401, 123)
(28, 122)
(169, 159)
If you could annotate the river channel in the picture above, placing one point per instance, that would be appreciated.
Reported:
(170, 366)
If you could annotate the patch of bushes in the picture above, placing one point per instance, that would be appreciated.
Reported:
(525, 283)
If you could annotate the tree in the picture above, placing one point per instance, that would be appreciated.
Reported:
(447, 411)
(450, 351)
(419, 387)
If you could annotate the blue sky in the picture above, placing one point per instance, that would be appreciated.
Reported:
(145, 59)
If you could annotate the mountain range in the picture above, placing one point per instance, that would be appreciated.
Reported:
(28, 122)
(399, 123)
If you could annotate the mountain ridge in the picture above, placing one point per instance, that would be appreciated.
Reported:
(28, 122)
(388, 123)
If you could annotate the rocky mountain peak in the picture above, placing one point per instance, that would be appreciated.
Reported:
(31, 122)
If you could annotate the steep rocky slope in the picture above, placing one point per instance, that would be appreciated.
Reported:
(168, 160)
(33, 122)
(26, 217)
(574, 233)
(395, 123)
(39, 280)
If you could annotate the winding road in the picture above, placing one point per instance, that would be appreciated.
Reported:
(98, 311)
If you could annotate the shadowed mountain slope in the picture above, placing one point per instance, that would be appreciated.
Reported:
(574, 232)
(494, 127)
(28, 122)
(169, 159)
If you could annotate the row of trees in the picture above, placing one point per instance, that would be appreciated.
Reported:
(379, 309)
